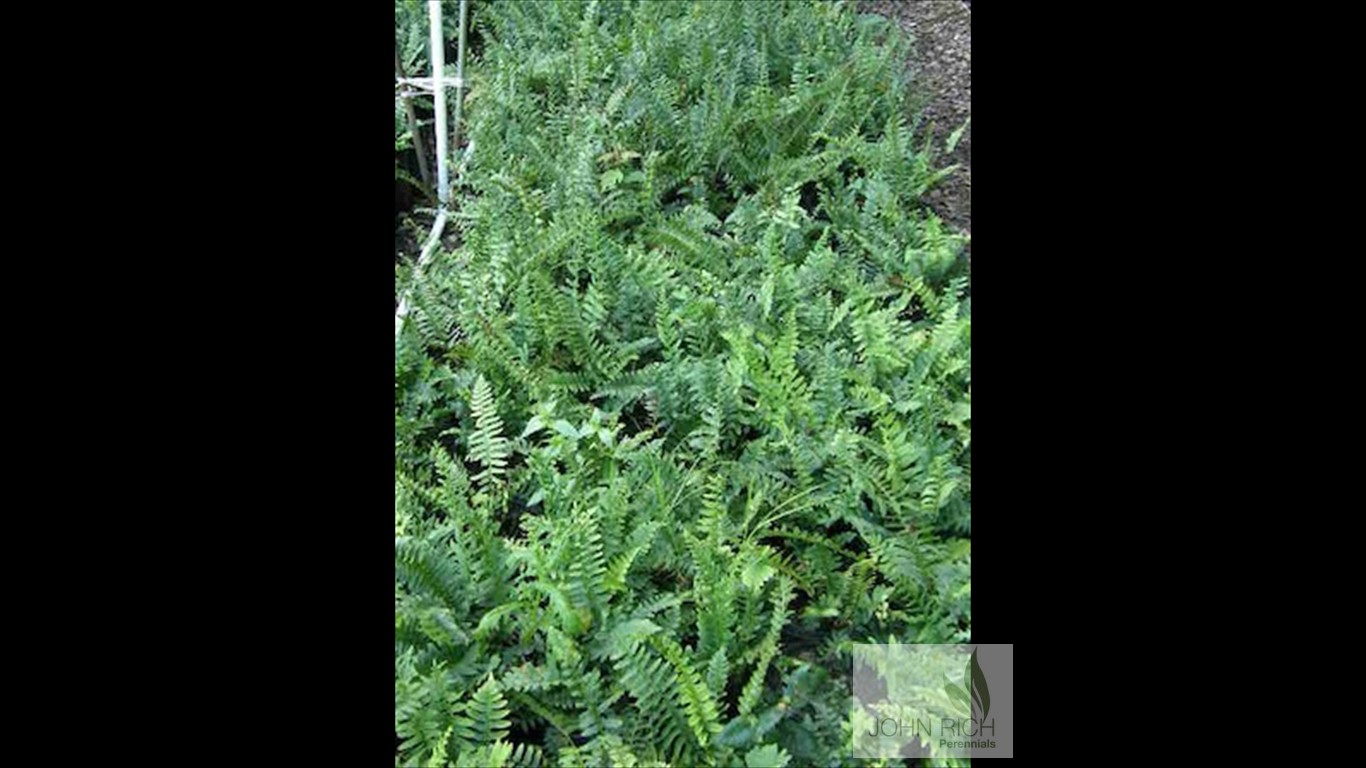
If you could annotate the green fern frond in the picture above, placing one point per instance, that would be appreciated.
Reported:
(698, 701)
(487, 444)
(483, 719)
(767, 648)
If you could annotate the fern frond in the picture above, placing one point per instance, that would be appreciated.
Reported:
(698, 701)
(427, 571)
(483, 719)
(767, 648)
(487, 444)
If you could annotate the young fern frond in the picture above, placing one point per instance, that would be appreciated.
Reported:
(483, 719)
(487, 444)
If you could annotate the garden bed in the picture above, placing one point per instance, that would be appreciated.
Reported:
(686, 409)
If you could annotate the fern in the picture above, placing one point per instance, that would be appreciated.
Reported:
(487, 444)
(767, 648)
(684, 408)
(698, 701)
(483, 719)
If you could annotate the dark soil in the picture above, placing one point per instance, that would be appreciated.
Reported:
(941, 66)
(407, 235)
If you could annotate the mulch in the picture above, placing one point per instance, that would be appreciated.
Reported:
(941, 66)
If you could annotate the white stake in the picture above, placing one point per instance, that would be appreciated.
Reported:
(443, 191)
(442, 168)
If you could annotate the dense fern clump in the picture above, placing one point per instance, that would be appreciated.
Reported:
(688, 412)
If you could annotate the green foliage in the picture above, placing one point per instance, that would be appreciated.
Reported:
(487, 444)
(688, 411)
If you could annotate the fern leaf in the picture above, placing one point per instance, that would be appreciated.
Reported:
(487, 444)
(482, 719)
(698, 700)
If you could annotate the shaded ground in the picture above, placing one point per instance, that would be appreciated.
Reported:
(942, 67)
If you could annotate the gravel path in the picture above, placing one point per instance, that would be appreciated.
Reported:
(942, 83)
